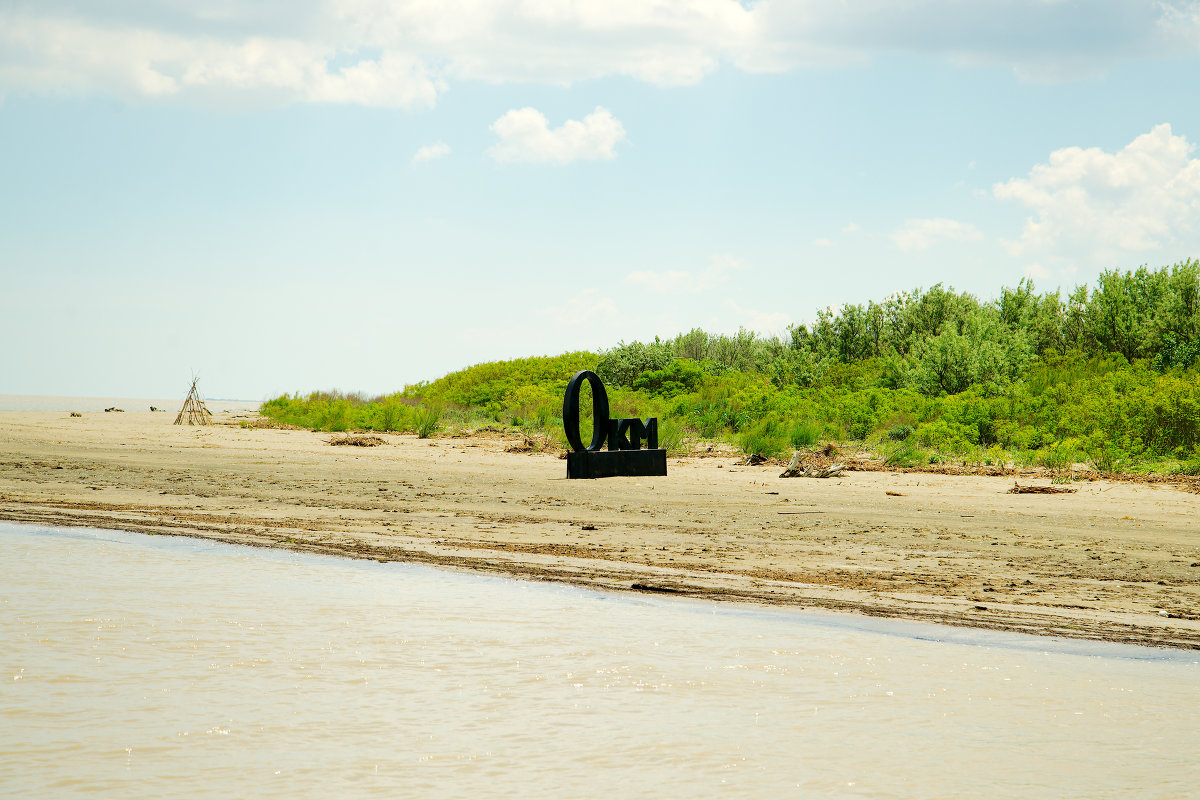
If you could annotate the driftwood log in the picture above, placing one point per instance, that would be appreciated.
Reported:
(1017, 489)
(796, 469)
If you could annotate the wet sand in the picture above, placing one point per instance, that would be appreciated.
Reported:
(1114, 561)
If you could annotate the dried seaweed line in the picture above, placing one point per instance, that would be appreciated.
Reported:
(1018, 489)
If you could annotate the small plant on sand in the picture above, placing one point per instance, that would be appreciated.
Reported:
(427, 420)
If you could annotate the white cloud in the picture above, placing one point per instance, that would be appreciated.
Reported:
(1038, 39)
(851, 227)
(397, 80)
(525, 137)
(69, 56)
(402, 53)
(666, 42)
(718, 272)
(921, 234)
(1091, 204)
(431, 152)
(822, 242)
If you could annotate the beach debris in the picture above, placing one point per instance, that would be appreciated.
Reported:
(587, 527)
(114, 408)
(796, 468)
(76, 414)
(357, 441)
(533, 443)
(754, 459)
(646, 587)
(1018, 489)
(890, 493)
(194, 412)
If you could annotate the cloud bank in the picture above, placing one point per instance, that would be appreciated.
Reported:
(404, 53)
(1107, 206)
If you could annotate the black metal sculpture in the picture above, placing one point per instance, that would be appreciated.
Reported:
(625, 456)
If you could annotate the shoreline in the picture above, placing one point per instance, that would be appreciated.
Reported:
(1105, 563)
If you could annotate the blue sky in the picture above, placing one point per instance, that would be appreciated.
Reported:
(362, 194)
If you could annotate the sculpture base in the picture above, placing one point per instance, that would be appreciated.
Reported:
(616, 463)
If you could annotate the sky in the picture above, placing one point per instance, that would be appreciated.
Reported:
(364, 194)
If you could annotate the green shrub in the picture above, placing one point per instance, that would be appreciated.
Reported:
(765, 438)
(804, 433)
(335, 415)
(1189, 466)
(391, 415)
(905, 454)
(671, 437)
(1105, 457)
(427, 420)
(621, 365)
(1059, 456)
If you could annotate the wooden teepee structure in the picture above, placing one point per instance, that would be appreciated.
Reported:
(193, 411)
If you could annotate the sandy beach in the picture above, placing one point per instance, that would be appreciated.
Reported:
(1113, 561)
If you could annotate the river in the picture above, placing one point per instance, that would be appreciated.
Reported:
(142, 666)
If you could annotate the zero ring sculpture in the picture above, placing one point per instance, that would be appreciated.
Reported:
(625, 456)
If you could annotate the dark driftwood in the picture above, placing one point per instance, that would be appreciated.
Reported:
(1042, 489)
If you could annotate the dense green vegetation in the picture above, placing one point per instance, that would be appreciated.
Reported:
(1107, 375)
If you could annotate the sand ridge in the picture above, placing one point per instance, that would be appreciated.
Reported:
(1113, 561)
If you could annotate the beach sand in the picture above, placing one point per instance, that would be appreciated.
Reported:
(1114, 561)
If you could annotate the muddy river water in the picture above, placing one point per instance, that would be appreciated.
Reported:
(144, 666)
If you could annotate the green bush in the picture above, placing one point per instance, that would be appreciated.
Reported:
(1059, 456)
(391, 415)
(766, 438)
(804, 433)
(1106, 460)
(427, 420)
(671, 437)
(905, 454)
